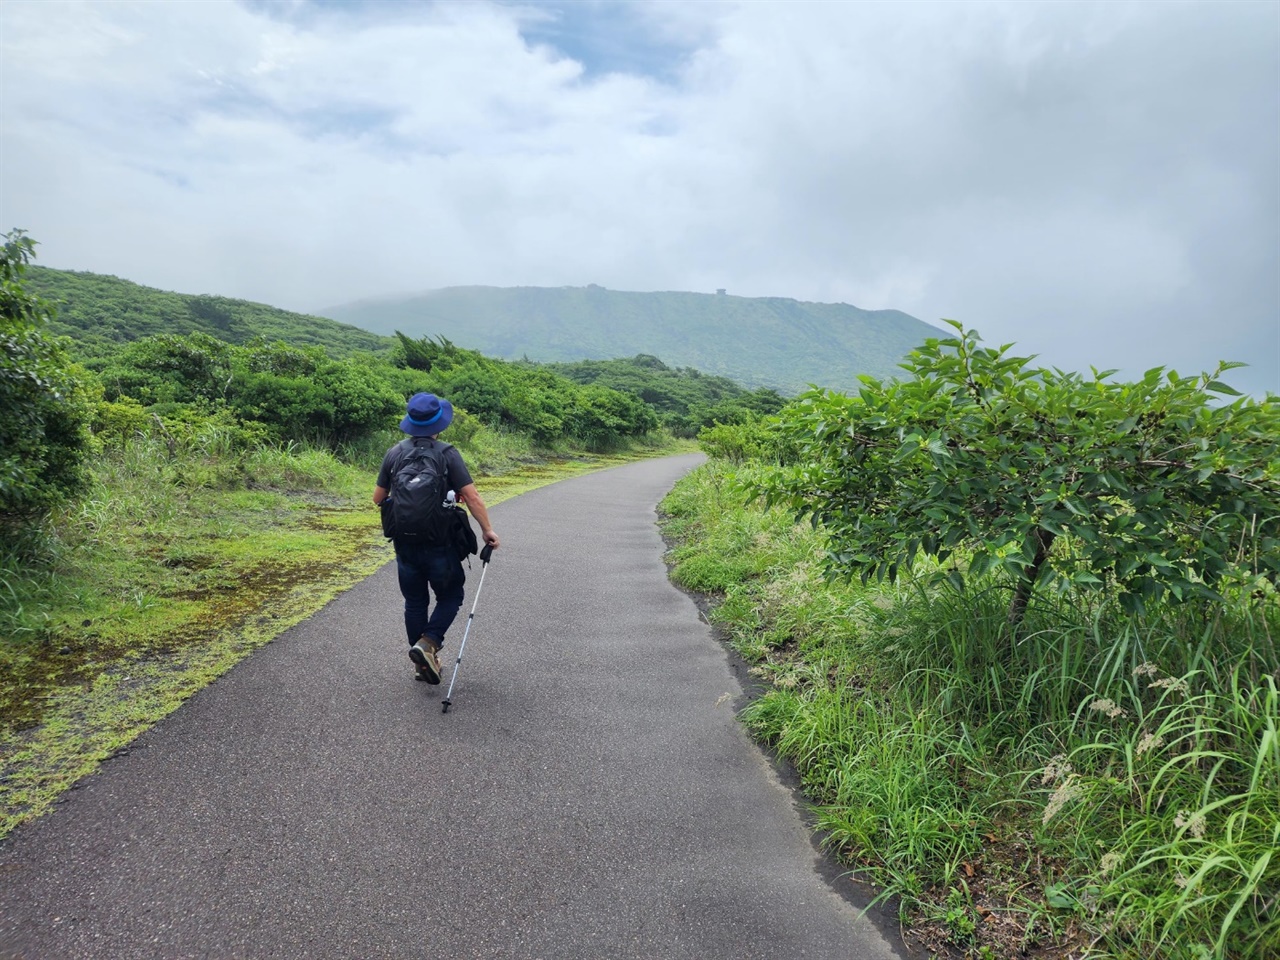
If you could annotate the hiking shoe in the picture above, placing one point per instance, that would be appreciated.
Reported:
(423, 653)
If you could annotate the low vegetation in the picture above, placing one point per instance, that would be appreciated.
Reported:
(1068, 755)
(268, 365)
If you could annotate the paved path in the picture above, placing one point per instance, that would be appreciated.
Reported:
(589, 795)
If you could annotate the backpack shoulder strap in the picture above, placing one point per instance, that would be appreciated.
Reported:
(401, 449)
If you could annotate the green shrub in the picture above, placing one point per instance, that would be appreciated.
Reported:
(1146, 491)
(297, 395)
(750, 439)
(44, 430)
(463, 429)
(535, 400)
(171, 369)
(117, 423)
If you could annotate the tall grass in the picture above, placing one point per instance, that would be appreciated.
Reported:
(1184, 788)
(25, 584)
(145, 495)
(128, 491)
(1105, 785)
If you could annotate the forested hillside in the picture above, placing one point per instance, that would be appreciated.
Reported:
(772, 344)
(760, 342)
(101, 313)
(111, 323)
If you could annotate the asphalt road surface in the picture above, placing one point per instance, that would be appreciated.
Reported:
(589, 795)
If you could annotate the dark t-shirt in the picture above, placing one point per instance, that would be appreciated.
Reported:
(459, 476)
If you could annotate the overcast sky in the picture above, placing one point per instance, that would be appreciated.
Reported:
(1099, 182)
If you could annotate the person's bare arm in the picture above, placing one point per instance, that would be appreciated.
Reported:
(379, 494)
(475, 503)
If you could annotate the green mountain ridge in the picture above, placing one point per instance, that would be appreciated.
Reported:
(767, 342)
(756, 341)
(100, 313)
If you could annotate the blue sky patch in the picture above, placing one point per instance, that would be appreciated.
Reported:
(606, 37)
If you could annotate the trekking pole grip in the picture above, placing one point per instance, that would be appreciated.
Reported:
(486, 553)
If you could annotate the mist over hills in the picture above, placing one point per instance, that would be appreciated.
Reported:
(757, 341)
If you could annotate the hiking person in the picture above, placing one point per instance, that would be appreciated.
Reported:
(420, 479)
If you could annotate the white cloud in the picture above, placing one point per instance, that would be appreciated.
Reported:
(1099, 182)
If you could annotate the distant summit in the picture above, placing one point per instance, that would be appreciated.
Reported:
(757, 341)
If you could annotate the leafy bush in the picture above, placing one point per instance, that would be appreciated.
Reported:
(531, 399)
(297, 394)
(464, 427)
(603, 418)
(482, 395)
(737, 443)
(685, 399)
(43, 433)
(117, 423)
(170, 369)
(1147, 489)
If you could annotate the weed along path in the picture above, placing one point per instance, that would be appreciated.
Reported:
(589, 794)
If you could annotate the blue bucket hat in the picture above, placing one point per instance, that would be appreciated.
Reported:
(427, 415)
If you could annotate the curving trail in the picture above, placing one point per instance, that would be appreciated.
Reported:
(589, 795)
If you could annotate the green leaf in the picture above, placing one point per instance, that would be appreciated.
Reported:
(1059, 897)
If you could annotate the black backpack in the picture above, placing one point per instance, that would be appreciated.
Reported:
(418, 506)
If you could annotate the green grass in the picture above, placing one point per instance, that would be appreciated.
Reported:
(1104, 787)
(175, 566)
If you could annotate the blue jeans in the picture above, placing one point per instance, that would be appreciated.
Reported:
(439, 569)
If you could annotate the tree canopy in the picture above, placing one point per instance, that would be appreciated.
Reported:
(528, 397)
(1152, 489)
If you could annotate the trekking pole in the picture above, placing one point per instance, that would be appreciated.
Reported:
(485, 554)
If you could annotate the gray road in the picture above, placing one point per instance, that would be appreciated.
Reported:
(589, 795)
